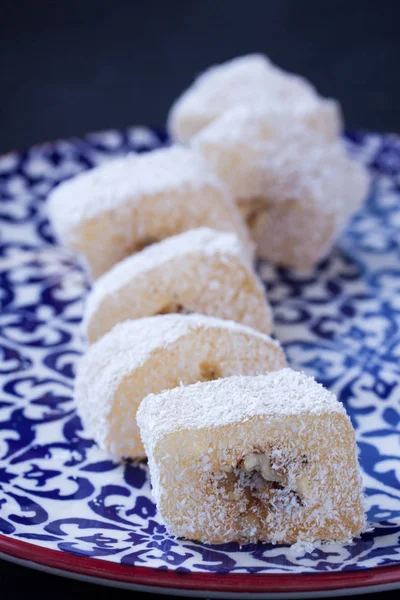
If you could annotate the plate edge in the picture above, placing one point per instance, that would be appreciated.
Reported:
(219, 582)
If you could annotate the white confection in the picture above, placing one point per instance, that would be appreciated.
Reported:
(234, 399)
(121, 180)
(204, 240)
(156, 353)
(251, 81)
(296, 189)
(270, 458)
(204, 270)
(115, 209)
(279, 160)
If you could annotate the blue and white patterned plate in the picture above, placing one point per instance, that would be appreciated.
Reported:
(59, 492)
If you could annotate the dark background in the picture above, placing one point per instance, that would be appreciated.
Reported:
(69, 67)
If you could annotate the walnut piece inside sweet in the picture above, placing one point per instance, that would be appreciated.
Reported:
(209, 371)
(302, 486)
(174, 307)
(144, 243)
(262, 464)
(254, 210)
(263, 480)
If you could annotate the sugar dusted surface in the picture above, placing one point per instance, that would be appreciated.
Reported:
(128, 345)
(122, 180)
(202, 241)
(250, 80)
(190, 432)
(234, 399)
(296, 189)
(153, 354)
(279, 159)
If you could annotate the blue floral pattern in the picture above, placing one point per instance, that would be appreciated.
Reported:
(341, 323)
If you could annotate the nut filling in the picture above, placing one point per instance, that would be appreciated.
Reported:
(144, 243)
(209, 371)
(259, 482)
(257, 211)
(254, 210)
(174, 307)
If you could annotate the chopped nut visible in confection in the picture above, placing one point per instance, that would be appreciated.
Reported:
(147, 355)
(174, 307)
(268, 458)
(296, 189)
(209, 371)
(122, 206)
(302, 486)
(143, 244)
(260, 462)
(197, 271)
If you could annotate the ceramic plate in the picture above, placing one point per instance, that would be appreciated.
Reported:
(65, 506)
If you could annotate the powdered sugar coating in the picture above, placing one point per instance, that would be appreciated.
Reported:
(234, 399)
(122, 180)
(296, 189)
(127, 346)
(200, 270)
(259, 154)
(255, 82)
(156, 353)
(118, 208)
(202, 240)
(199, 439)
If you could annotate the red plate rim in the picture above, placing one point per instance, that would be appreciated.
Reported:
(284, 583)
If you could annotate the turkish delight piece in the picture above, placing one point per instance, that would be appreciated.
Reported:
(122, 206)
(252, 81)
(269, 458)
(142, 356)
(295, 189)
(200, 270)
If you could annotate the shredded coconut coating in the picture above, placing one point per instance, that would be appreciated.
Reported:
(252, 81)
(112, 210)
(151, 354)
(237, 399)
(295, 189)
(202, 439)
(200, 270)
